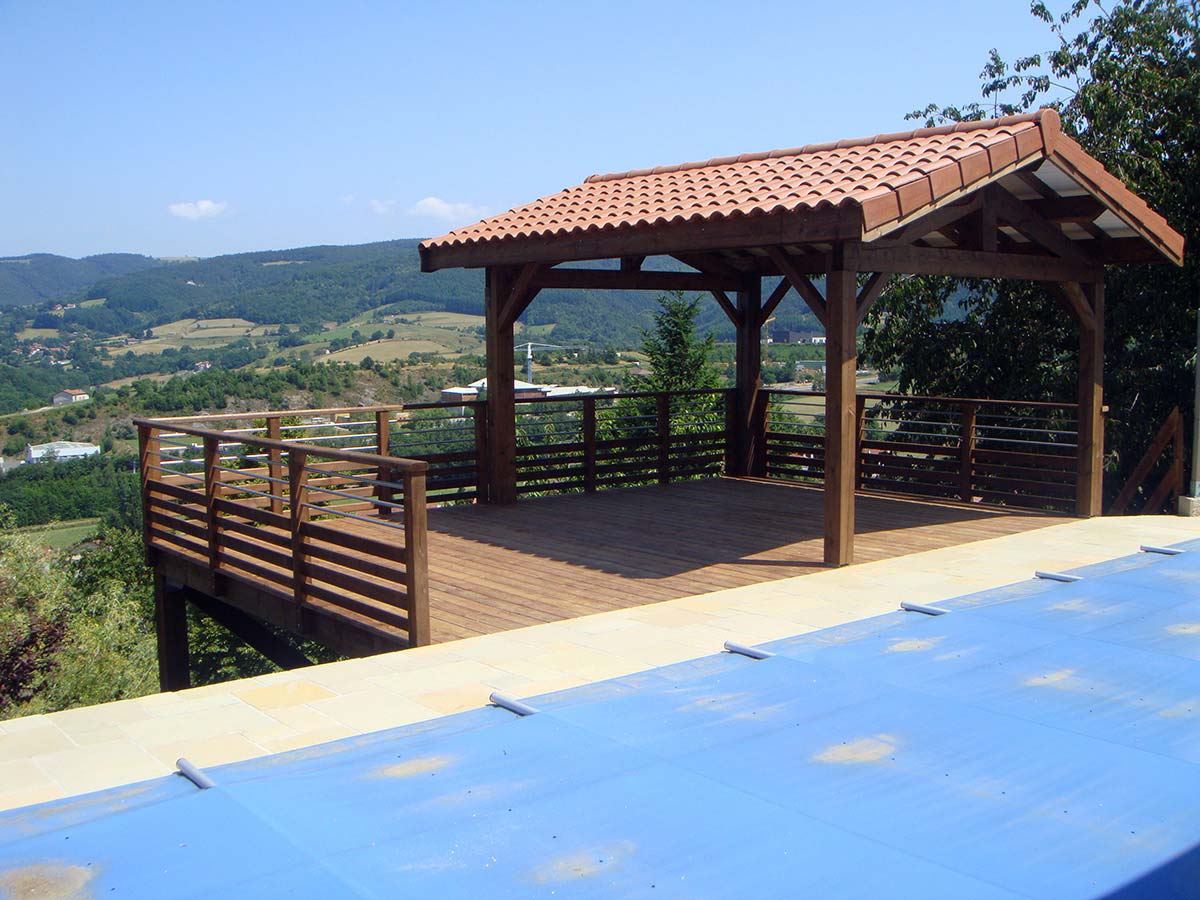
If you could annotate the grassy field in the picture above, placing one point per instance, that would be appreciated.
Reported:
(61, 535)
(37, 334)
(383, 351)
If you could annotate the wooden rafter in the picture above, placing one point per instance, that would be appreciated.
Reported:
(774, 300)
(521, 294)
(1029, 223)
(870, 292)
(936, 220)
(806, 289)
(709, 264)
(726, 304)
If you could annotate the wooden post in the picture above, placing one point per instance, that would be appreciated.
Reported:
(275, 464)
(501, 402)
(966, 457)
(589, 445)
(841, 293)
(298, 508)
(149, 461)
(482, 456)
(212, 493)
(663, 421)
(416, 558)
(171, 631)
(749, 380)
(383, 431)
(1090, 471)
(860, 432)
(731, 432)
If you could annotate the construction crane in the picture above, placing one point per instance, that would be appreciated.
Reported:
(528, 347)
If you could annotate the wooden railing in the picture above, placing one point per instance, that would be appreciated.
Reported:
(1011, 453)
(1155, 464)
(598, 441)
(280, 515)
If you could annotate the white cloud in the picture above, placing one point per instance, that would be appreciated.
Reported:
(197, 209)
(445, 211)
(382, 207)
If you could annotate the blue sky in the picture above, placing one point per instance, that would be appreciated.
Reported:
(205, 128)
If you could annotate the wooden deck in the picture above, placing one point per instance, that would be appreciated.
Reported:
(492, 568)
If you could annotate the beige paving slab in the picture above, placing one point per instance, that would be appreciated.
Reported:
(61, 754)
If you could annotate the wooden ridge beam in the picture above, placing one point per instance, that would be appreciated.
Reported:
(616, 280)
(727, 305)
(806, 289)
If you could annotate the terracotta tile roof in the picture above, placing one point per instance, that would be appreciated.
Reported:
(885, 180)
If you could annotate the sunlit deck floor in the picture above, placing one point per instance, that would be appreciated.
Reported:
(494, 568)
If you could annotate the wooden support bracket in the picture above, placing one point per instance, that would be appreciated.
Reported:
(805, 288)
(727, 305)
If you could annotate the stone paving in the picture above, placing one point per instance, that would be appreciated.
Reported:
(80, 750)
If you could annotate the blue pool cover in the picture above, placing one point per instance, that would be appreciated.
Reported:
(1038, 740)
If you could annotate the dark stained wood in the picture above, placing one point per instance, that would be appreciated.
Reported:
(250, 630)
(808, 292)
(170, 619)
(275, 466)
(520, 294)
(1090, 492)
(149, 461)
(299, 515)
(773, 301)
(1023, 218)
(212, 496)
(727, 306)
(966, 451)
(870, 292)
(501, 408)
(416, 559)
(841, 433)
(1170, 433)
(969, 264)
(621, 280)
(749, 375)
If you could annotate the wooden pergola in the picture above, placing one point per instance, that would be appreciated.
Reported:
(1004, 198)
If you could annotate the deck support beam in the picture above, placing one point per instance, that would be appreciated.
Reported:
(170, 621)
(249, 630)
(751, 412)
(841, 432)
(501, 397)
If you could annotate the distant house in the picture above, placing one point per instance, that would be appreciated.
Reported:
(459, 394)
(522, 390)
(817, 340)
(71, 395)
(203, 366)
(59, 450)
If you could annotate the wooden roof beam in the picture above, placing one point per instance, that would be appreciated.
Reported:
(773, 301)
(969, 264)
(1022, 217)
(806, 289)
(522, 293)
(616, 280)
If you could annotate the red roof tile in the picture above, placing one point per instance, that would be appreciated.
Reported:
(884, 179)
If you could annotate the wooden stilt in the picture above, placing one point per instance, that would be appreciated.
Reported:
(170, 620)
(501, 403)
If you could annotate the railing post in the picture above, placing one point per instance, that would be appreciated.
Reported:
(416, 557)
(298, 507)
(589, 445)
(275, 464)
(860, 433)
(383, 431)
(212, 493)
(966, 463)
(759, 422)
(663, 404)
(149, 461)
(731, 433)
(483, 479)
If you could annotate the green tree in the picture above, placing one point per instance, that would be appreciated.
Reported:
(679, 360)
(1126, 81)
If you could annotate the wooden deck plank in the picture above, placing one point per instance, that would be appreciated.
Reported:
(494, 568)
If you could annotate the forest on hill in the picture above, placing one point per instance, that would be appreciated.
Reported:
(307, 286)
(42, 277)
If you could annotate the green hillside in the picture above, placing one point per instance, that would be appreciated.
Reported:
(42, 277)
(311, 285)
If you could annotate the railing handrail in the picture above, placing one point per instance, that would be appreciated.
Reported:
(398, 463)
(885, 395)
(282, 413)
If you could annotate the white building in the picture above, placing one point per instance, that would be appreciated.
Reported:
(817, 340)
(71, 395)
(59, 450)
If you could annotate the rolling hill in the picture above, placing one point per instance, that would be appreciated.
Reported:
(42, 277)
